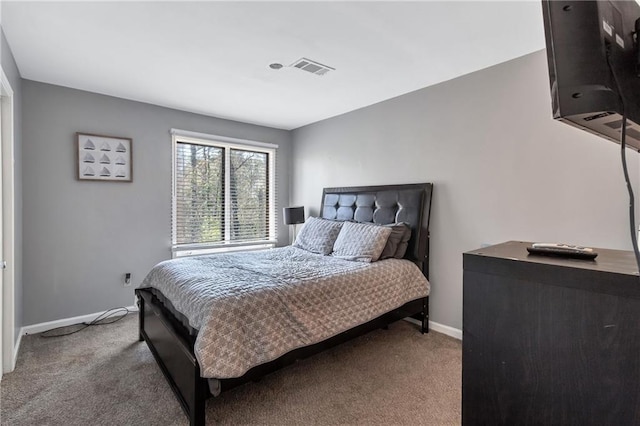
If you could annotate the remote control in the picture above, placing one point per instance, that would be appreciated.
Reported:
(564, 250)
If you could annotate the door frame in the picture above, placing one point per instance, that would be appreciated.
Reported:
(9, 346)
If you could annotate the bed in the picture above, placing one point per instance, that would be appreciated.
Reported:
(308, 302)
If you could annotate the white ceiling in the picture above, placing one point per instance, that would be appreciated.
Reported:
(212, 57)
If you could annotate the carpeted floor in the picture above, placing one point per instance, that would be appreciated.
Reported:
(104, 376)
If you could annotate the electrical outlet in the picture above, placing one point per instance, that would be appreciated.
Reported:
(127, 279)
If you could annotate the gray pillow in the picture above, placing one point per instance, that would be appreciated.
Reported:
(318, 235)
(399, 237)
(363, 242)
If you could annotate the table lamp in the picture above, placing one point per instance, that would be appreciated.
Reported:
(293, 216)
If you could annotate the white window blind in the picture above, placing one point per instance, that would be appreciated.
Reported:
(223, 195)
(249, 188)
(199, 194)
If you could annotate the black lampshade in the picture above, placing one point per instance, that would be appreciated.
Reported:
(293, 215)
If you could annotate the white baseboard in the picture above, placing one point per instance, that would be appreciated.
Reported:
(440, 328)
(14, 355)
(445, 329)
(46, 326)
(16, 349)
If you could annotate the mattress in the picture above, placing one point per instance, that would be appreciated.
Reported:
(251, 307)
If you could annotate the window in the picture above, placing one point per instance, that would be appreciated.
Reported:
(223, 194)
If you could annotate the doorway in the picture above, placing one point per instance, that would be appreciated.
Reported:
(7, 228)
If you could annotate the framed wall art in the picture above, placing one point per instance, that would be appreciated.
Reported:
(106, 158)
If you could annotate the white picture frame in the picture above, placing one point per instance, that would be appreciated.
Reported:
(104, 158)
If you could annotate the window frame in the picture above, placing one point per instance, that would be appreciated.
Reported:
(191, 249)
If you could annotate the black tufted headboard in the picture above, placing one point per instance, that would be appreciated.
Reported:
(409, 203)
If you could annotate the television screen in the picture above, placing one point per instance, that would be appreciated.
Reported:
(588, 44)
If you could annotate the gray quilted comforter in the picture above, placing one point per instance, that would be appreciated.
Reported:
(252, 307)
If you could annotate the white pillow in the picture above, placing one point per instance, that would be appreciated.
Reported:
(318, 235)
(361, 241)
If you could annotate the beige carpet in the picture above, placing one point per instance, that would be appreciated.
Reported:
(104, 376)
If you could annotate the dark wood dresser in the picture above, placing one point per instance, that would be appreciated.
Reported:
(548, 340)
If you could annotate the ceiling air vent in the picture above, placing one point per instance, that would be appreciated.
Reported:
(312, 66)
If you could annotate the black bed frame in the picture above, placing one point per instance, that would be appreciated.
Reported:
(172, 344)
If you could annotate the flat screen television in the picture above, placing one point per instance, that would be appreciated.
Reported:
(588, 43)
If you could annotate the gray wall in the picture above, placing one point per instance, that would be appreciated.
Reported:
(81, 237)
(11, 71)
(502, 168)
